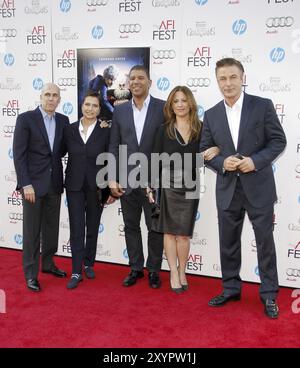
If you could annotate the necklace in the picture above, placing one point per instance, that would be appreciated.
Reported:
(177, 139)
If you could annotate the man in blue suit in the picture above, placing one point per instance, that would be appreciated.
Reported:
(250, 137)
(37, 149)
(134, 125)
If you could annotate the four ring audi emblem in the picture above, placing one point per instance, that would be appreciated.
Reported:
(164, 54)
(37, 56)
(66, 82)
(198, 82)
(130, 28)
(293, 272)
(8, 32)
(279, 22)
(8, 129)
(16, 216)
(96, 2)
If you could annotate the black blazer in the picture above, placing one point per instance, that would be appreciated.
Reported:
(82, 157)
(34, 161)
(123, 132)
(261, 137)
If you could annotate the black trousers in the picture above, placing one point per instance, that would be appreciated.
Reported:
(40, 230)
(230, 228)
(132, 205)
(84, 214)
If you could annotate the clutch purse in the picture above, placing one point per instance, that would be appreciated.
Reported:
(155, 210)
(103, 195)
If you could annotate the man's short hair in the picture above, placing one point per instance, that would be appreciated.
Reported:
(229, 62)
(140, 67)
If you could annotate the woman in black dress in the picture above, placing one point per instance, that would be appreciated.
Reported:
(179, 199)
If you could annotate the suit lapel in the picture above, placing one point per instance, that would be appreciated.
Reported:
(148, 119)
(95, 132)
(131, 122)
(76, 133)
(244, 118)
(40, 123)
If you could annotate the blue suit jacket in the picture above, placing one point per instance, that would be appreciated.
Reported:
(123, 133)
(261, 137)
(34, 161)
(82, 157)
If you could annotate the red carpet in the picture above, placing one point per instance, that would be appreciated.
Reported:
(102, 313)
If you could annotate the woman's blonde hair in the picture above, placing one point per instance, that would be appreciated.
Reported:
(170, 117)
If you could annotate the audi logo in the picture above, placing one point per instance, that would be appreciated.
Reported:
(198, 82)
(293, 272)
(16, 216)
(130, 28)
(164, 54)
(8, 128)
(279, 22)
(37, 56)
(8, 32)
(96, 2)
(66, 82)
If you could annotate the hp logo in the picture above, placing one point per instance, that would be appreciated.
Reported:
(197, 216)
(97, 32)
(66, 202)
(200, 111)
(256, 271)
(239, 27)
(277, 54)
(10, 153)
(101, 229)
(125, 254)
(9, 59)
(163, 83)
(201, 2)
(65, 5)
(273, 168)
(37, 84)
(18, 239)
(67, 108)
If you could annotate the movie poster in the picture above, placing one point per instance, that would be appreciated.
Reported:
(106, 71)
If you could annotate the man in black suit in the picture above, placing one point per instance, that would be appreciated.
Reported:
(37, 149)
(134, 125)
(250, 137)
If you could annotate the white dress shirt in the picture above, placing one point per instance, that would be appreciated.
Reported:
(234, 118)
(89, 131)
(139, 117)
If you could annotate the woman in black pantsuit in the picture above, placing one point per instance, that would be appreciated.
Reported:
(178, 182)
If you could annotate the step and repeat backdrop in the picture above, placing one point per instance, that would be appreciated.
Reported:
(69, 42)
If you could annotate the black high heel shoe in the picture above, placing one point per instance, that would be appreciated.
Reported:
(185, 287)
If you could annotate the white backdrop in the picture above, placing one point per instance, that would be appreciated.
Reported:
(186, 38)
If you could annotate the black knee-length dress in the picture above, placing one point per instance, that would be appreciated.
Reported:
(177, 212)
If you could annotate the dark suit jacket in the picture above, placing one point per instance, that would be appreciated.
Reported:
(82, 157)
(261, 137)
(123, 133)
(34, 161)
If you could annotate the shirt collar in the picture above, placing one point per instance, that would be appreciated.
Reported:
(238, 104)
(45, 114)
(91, 126)
(145, 104)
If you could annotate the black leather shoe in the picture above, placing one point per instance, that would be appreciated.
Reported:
(222, 299)
(33, 285)
(271, 308)
(74, 281)
(89, 272)
(131, 279)
(154, 280)
(56, 272)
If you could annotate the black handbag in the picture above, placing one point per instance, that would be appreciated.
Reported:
(103, 195)
(155, 209)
